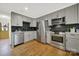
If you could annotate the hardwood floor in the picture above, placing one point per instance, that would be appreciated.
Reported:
(35, 48)
(5, 49)
(4, 35)
(31, 48)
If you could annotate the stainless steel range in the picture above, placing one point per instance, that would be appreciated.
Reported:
(58, 40)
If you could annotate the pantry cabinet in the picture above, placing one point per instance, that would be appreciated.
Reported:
(71, 14)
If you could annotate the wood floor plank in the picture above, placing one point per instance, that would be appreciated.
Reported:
(4, 35)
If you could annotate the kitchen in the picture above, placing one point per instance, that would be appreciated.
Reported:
(58, 29)
(61, 30)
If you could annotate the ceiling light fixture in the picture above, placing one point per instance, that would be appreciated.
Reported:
(26, 8)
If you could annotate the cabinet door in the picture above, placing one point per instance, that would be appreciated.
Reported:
(68, 41)
(26, 19)
(78, 12)
(34, 35)
(49, 22)
(55, 15)
(77, 45)
(61, 13)
(68, 44)
(51, 16)
(48, 37)
(33, 23)
(16, 19)
(26, 36)
(30, 35)
(19, 20)
(13, 20)
(71, 14)
(74, 45)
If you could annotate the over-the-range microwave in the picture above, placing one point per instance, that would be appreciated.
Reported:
(57, 21)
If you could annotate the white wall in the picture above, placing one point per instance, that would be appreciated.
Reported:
(4, 19)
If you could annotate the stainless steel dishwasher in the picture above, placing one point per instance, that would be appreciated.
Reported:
(18, 38)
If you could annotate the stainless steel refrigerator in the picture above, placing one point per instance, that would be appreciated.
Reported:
(42, 31)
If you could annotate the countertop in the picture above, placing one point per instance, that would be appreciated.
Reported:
(72, 32)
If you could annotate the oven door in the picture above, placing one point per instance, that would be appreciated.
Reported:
(57, 40)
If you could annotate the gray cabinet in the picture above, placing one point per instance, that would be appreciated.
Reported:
(13, 20)
(72, 43)
(78, 12)
(33, 23)
(19, 20)
(26, 19)
(26, 36)
(61, 13)
(48, 37)
(49, 22)
(29, 35)
(16, 20)
(51, 16)
(71, 14)
(55, 15)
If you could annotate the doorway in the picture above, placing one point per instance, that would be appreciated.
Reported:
(5, 29)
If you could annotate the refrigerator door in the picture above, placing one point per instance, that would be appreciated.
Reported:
(44, 29)
(39, 32)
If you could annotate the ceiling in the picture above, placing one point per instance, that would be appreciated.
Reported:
(34, 9)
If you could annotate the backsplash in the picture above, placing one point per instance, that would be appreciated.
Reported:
(64, 28)
(20, 28)
(58, 28)
(16, 28)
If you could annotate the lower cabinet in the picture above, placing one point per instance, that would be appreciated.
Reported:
(26, 36)
(29, 35)
(72, 43)
(48, 37)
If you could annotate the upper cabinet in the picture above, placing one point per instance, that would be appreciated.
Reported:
(19, 20)
(71, 14)
(13, 20)
(49, 22)
(26, 19)
(50, 17)
(78, 12)
(33, 23)
(16, 20)
(61, 13)
(54, 15)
